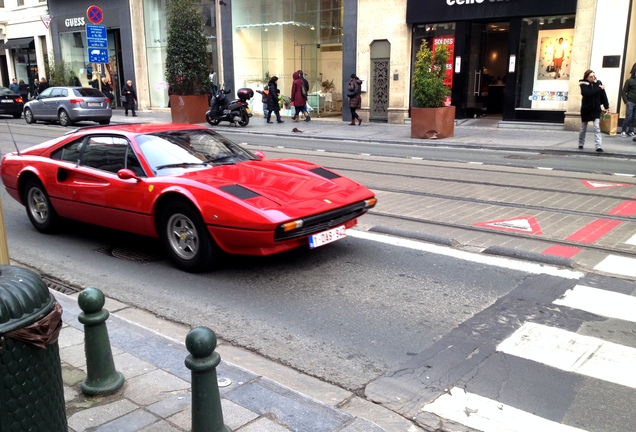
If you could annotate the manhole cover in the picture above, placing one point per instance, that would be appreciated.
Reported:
(128, 254)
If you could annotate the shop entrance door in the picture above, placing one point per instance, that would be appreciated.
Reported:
(488, 53)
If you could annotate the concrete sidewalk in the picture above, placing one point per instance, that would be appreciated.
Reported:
(469, 133)
(258, 395)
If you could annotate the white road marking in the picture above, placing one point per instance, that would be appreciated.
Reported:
(631, 241)
(508, 263)
(618, 265)
(624, 175)
(600, 302)
(545, 168)
(489, 415)
(571, 352)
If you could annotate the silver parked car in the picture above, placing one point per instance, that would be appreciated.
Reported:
(68, 105)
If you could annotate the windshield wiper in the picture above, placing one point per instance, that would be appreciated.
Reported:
(180, 165)
(223, 160)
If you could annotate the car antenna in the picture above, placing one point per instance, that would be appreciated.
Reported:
(12, 138)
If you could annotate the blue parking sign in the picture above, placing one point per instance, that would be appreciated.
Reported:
(97, 55)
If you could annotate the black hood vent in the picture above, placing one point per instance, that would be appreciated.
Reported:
(325, 173)
(239, 191)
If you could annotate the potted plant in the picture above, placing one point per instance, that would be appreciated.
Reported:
(187, 71)
(430, 118)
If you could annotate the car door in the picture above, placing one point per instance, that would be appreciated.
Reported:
(98, 196)
(52, 103)
(38, 106)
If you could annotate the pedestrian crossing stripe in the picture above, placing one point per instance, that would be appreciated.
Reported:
(600, 302)
(618, 265)
(632, 240)
(572, 352)
(489, 415)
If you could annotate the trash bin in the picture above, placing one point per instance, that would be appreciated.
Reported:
(31, 387)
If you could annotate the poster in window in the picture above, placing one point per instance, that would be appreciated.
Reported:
(555, 54)
(449, 41)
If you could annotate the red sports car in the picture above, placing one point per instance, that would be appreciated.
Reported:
(193, 188)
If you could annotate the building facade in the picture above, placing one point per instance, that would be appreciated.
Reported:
(518, 60)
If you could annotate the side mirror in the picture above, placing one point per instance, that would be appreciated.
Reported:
(259, 154)
(127, 174)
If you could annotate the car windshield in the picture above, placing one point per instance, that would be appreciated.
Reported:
(170, 152)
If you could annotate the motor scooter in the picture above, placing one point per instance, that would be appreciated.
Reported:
(237, 111)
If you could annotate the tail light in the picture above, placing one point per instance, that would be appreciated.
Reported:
(106, 101)
(19, 100)
(76, 101)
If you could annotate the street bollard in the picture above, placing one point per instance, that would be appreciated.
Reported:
(101, 376)
(207, 415)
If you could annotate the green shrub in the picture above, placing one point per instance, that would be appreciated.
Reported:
(186, 54)
(429, 90)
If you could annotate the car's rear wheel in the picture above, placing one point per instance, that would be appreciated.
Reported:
(104, 122)
(63, 117)
(186, 237)
(28, 116)
(38, 207)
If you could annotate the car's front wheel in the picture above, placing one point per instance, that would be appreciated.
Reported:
(63, 117)
(28, 116)
(186, 237)
(38, 207)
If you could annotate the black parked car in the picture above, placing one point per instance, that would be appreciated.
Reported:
(10, 103)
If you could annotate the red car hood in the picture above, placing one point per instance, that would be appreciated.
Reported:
(285, 182)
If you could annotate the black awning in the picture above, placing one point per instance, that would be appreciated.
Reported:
(19, 43)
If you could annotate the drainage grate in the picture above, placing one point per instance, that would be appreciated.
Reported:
(127, 254)
(59, 286)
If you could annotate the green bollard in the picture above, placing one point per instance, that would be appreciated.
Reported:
(207, 415)
(101, 376)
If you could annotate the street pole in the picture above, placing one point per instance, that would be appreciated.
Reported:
(4, 248)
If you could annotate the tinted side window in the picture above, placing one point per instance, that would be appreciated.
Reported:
(69, 153)
(105, 153)
(88, 92)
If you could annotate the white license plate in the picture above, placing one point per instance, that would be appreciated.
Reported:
(94, 104)
(326, 237)
(7, 100)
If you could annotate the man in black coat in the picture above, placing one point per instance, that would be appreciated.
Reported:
(593, 103)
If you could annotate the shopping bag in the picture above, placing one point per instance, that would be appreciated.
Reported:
(609, 123)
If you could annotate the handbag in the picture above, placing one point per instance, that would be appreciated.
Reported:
(550, 68)
(124, 99)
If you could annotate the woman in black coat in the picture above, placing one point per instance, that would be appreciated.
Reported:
(128, 91)
(272, 100)
(594, 101)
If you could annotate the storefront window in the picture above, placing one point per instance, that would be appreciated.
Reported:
(74, 52)
(279, 37)
(543, 66)
(156, 25)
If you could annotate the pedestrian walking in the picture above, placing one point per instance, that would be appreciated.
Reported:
(42, 85)
(355, 100)
(594, 101)
(272, 100)
(264, 97)
(304, 109)
(24, 90)
(628, 94)
(107, 89)
(298, 97)
(128, 92)
(14, 86)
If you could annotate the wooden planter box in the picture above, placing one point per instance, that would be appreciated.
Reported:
(188, 109)
(432, 123)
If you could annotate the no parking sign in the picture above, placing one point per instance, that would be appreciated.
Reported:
(94, 14)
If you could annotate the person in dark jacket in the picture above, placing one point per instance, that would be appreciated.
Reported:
(305, 111)
(355, 100)
(593, 103)
(131, 97)
(14, 86)
(107, 89)
(42, 85)
(628, 94)
(272, 100)
(298, 96)
(24, 90)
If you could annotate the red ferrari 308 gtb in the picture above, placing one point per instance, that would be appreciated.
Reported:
(193, 188)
